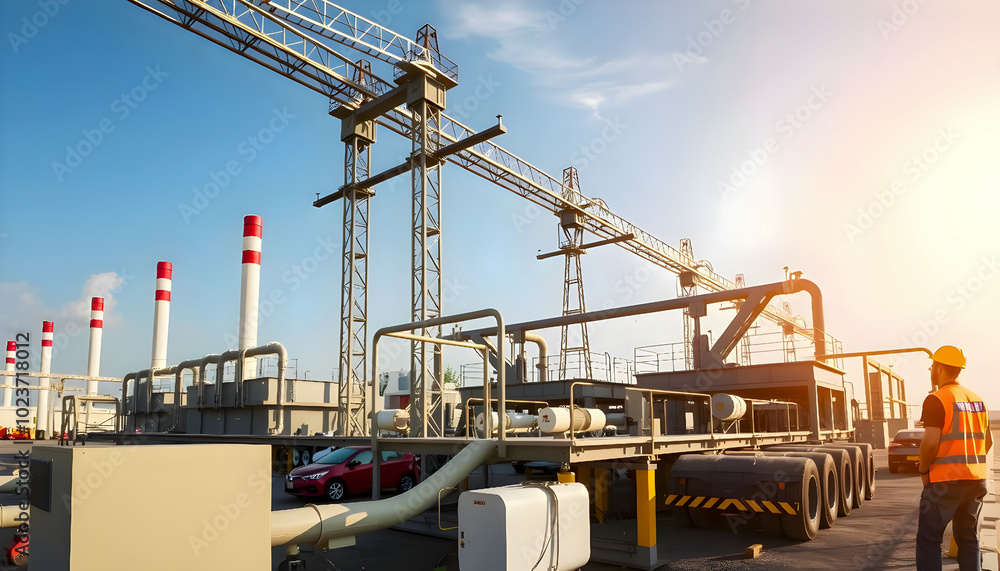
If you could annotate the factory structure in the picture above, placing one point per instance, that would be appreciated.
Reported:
(705, 429)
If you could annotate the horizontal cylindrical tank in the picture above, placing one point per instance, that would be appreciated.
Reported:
(827, 477)
(561, 419)
(513, 421)
(728, 407)
(772, 482)
(393, 419)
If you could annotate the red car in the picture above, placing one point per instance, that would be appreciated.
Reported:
(349, 471)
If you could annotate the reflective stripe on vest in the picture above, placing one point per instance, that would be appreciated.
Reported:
(961, 454)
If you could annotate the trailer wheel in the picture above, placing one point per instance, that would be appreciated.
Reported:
(831, 494)
(868, 457)
(846, 483)
(805, 524)
(305, 457)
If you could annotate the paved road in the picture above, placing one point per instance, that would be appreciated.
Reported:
(879, 535)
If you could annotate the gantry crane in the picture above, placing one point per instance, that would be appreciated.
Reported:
(290, 37)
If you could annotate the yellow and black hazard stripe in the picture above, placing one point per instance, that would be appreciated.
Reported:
(707, 502)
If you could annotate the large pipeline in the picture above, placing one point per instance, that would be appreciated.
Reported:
(543, 354)
(318, 524)
(273, 348)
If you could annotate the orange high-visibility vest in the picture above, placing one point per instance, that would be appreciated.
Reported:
(961, 455)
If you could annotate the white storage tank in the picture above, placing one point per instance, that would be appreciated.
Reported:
(544, 525)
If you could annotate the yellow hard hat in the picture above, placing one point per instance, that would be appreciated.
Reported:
(949, 355)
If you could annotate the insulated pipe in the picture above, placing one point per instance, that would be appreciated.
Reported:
(224, 358)
(250, 284)
(42, 409)
(11, 354)
(194, 365)
(135, 390)
(205, 361)
(543, 355)
(273, 348)
(161, 314)
(96, 329)
(9, 515)
(318, 524)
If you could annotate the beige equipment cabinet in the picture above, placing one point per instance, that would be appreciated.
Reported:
(155, 508)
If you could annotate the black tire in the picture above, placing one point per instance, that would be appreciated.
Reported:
(518, 467)
(868, 456)
(805, 524)
(830, 490)
(305, 457)
(407, 482)
(336, 490)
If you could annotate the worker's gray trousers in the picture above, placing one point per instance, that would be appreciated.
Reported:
(957, 502)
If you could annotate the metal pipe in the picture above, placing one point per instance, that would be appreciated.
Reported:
(231, 355)
(135, 390)
(161, 314)
(319, 524)
(211, 358)
(273, 348)
(250, 283)
(543, 355)
(194, 365)
(9, 515)
(443, 320)
(11, 359)
(42, 408)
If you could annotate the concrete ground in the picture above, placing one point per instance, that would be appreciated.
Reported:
(879, 535)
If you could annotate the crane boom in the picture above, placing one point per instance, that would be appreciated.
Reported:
(266, 32)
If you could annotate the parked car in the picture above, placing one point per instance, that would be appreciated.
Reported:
(904, 450)
(349, 471)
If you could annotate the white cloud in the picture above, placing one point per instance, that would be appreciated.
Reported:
(23, 309)
(97, 285)
(526, 41)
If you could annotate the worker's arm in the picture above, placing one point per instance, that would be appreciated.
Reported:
(928, 451)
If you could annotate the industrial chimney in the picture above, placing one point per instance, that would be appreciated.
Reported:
(96, 329)
(161, 314)
(250, 288)
(42, 409)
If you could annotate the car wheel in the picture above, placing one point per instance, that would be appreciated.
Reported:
(336, 490)
(406, 482)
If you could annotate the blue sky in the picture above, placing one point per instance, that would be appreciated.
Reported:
(866, 131)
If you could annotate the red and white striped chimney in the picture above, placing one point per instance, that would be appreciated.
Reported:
(11, 359)
(96, 330)
(42, 410)
(253, 228)
(161, 314)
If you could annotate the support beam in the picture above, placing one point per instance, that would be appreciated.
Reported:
(584, 247)
(738, 327)
(645, 510)
(470, 141)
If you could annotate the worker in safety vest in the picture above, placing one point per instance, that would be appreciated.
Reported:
(953, 464)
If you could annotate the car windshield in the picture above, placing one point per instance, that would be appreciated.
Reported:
(337, 456)
(913, 435)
